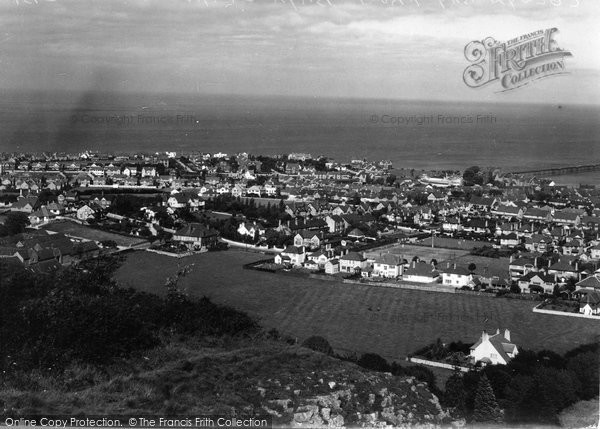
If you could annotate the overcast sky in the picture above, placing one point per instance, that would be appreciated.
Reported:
(352, 48)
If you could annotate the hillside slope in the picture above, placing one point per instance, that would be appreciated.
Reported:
(295, 385)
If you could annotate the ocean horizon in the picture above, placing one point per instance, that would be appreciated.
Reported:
(432, 135)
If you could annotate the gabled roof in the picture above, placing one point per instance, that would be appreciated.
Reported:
(353, 256)
(196, 230)
(590, 282)
(388, 259)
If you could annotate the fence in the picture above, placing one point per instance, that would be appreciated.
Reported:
(564, 313)
(438, 364)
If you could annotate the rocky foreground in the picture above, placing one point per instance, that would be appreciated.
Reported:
(296, 386)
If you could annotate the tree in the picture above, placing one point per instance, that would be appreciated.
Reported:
(472, 267)
(455, 395)
(471, 176)
(16, 222)
(485, 406)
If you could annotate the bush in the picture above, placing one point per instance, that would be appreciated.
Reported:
(374, 362)
(83, 316)
(318, 344)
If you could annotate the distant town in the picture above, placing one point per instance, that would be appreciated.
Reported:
(481, 230)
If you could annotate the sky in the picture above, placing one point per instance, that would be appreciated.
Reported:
(400, 49)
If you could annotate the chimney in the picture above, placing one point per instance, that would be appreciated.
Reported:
(507, 335)
(535, 262)
(484, 336)
(511, 258)
(454, 265)
(414, 264)
(448, 264)
(497, 331)
(549, 262)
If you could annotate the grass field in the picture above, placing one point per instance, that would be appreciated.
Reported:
(355, 318)
(82, 231)
(423, 252)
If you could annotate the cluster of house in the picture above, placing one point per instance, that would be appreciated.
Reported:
(44, 252)
(66, 204)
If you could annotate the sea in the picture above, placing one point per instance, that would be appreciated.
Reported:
(413, 134)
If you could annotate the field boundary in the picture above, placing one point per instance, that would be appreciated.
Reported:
(563, 313)
(437, 364)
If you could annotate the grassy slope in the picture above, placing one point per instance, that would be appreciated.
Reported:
(355, 318)
(248, 377)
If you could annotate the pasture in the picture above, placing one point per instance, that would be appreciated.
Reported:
(82, 231)
(424, 253)
(355, 318)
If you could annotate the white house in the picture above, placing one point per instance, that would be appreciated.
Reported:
(387, 265)
(494, 349)
(456, 276)
(353, 262)
(589, 304)
(250, 229)
(421, 272)
(292, 254)
(85, 212)
(332, 266)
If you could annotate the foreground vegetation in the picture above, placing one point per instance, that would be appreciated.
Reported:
(76, 342)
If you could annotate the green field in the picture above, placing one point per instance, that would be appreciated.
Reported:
(424, 253)
(83, 231)
(355, 318)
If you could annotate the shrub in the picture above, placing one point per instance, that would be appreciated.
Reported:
(318, 344)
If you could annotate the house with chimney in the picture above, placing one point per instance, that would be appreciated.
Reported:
(456, 276)
(420, 272)
(387, 265)
(494, 349)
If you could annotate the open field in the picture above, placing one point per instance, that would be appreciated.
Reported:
(423, 252)
(83, 231)
(355, 318)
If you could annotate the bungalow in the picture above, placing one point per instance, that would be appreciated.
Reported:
(24, 204)
(537, 282)
(589, 283)
(332, 266)
(356, 234)
(421, 272)
(353, 262)
(40, 215)
(589, 304)
(494, 349)
(196, 236)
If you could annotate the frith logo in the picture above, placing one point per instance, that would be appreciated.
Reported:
(514, 63)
